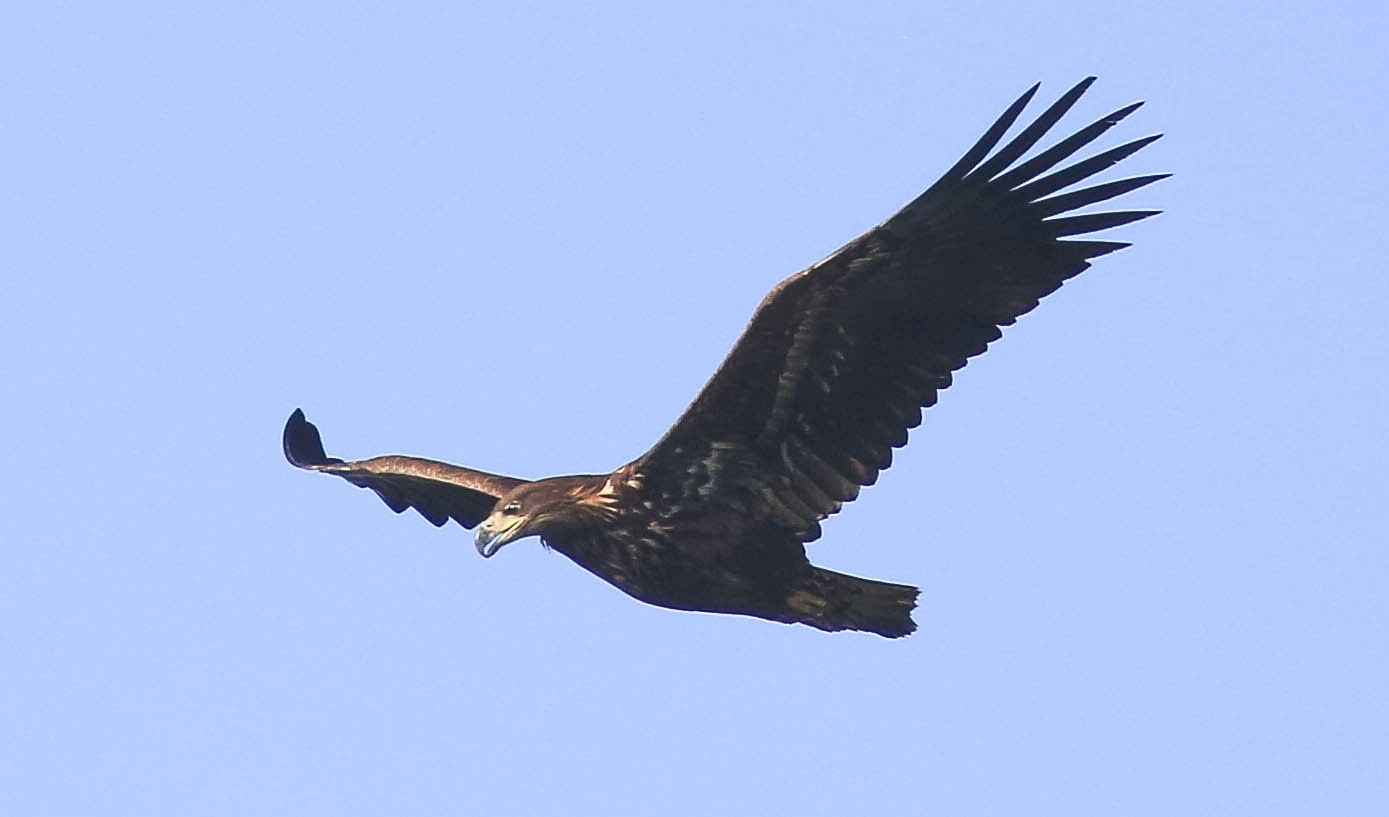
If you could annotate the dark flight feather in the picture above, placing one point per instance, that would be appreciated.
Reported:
(831, 373)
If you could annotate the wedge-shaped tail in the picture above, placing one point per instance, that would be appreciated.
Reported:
(834, 601)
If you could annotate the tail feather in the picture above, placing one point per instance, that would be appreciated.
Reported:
(833, 601)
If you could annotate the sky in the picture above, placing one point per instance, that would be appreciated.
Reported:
(1149, 524)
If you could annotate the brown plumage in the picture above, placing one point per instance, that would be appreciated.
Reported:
(832, 371)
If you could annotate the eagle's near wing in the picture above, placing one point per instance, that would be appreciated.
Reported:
(839, 360)
(437, 490)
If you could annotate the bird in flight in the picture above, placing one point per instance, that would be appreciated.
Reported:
(833, 369)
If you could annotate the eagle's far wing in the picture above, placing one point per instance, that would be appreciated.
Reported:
(839, 360)
(437, 490)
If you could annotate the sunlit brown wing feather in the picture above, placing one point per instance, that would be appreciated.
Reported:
(839, 360)
(437, 490)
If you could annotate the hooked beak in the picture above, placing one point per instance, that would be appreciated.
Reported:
(489, 539)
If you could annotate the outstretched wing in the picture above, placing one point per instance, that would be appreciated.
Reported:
(437, 490)
(838, 360)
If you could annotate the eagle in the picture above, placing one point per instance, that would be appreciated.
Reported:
(832, 371)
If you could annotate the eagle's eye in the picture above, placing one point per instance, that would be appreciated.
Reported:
(512, 508)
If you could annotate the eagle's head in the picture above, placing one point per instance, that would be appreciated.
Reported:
(537, 508)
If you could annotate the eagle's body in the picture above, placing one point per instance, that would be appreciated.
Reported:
(686, 556)
(830, 374)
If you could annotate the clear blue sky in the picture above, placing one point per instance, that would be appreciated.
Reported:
(1150, 524)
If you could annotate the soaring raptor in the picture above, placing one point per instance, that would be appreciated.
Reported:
(829, 375)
